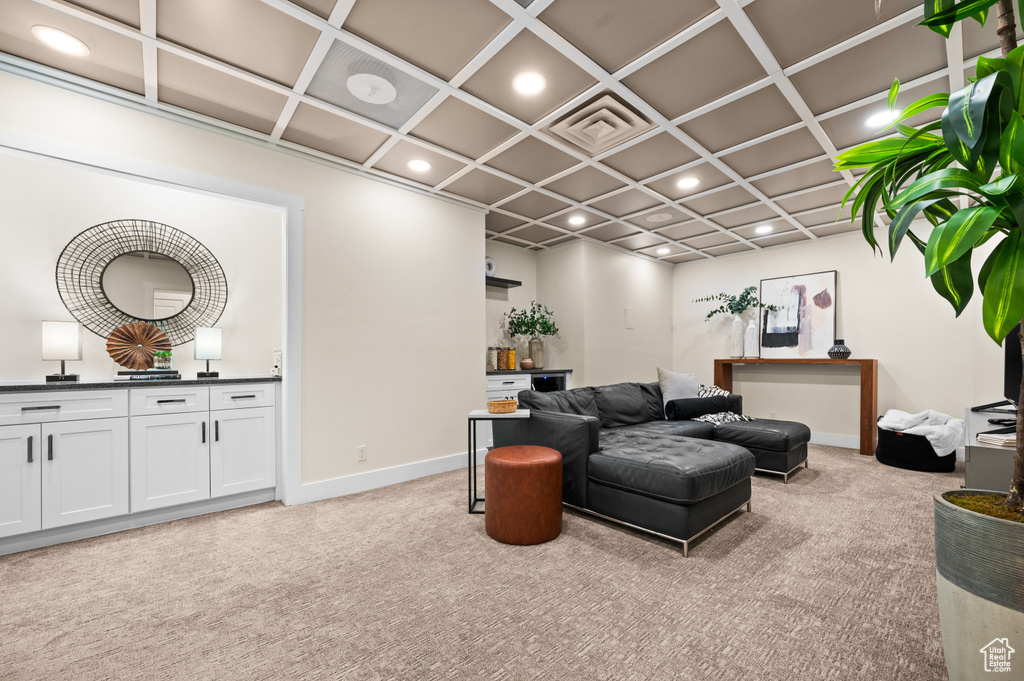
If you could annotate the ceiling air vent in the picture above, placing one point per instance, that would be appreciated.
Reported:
(357, 82)
(601, 124)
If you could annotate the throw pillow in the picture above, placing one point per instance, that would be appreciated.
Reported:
(675, 386)
(723, 417)
(712, 391)
(692, 407)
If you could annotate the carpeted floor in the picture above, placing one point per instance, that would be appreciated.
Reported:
(830, 577)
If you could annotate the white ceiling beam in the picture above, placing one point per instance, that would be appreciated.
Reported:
(147, 26)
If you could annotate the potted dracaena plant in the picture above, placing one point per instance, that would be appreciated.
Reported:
(736, 305)
(534, 322)
(962, 177)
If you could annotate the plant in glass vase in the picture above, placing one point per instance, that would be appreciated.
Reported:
(962, 178)
(736, 305)
(534, 322)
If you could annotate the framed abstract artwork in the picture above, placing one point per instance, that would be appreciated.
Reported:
(804, 326)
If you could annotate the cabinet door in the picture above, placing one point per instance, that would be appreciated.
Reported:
(85, 471)
(244, 452)
(170, 460)
(20, 505)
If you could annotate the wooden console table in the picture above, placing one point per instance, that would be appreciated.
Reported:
(868, 389)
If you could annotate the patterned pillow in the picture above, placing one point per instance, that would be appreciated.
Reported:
(711, 391)
(723, 417)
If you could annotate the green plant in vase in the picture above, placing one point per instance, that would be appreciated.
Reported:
(736, 305)
(951, 188)
(534, 322)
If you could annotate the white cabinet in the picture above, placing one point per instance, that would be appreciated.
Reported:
(242, 457)
(57, 474)
(170, 460)
(507, 387)
(20, 481)
(84, 471)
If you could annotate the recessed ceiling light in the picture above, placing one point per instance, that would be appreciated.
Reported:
(529, 83)
(688, 183)
(418, 165)
(764, 229)
(659, 217)
(371, 88)
(882, 119)
(61, 41)
(664, 250)
(577, 220)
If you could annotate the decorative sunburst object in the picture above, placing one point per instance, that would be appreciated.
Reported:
(134, 345)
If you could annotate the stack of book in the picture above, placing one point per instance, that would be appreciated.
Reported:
(149, 375)
(998, 439)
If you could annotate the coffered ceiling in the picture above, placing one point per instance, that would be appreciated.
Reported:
(748, 100)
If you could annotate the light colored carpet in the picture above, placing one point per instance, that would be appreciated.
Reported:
(830, 577)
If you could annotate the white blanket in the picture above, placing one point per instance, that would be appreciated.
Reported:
(945, 433)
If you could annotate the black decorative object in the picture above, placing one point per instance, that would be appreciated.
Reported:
(839, 350)
(82, 263)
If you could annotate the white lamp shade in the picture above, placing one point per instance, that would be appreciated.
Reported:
(207, 343)
(62, 340)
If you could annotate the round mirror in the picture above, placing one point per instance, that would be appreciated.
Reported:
(147, 286)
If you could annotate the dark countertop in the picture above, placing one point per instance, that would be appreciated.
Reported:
(529, 371)
(105, 384)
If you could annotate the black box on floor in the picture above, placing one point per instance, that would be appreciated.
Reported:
(912, 452)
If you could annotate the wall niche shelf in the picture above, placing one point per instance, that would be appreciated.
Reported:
(497, 282)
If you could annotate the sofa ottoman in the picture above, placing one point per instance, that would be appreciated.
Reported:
(674, 486)
(779, 447)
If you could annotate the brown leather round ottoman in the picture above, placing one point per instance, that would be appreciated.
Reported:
(524, 494)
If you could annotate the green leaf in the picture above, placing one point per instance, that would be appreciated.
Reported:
(870, 153)
(946, 12)
(968, 106)
(899, 225)
(940, 99)
(1011, 145)
(986, 268)
(1004, 288)
(894, 91)
(952, 239)
(988, 65)
(954, 282)
(953, 179)
(1008, 183)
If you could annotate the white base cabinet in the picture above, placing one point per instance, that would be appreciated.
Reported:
(20, 480)
(58, 474)
(75, 456)
(170, 460)
(242, 457)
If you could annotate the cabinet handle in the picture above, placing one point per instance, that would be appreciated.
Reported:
(49, 448)
(243, 397)
(204, 432)
(182, 401)
(30, 448)
(216, 431)
(46, 408)
(507, 382)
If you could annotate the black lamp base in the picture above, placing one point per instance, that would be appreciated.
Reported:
(208, 374)
(61, 378)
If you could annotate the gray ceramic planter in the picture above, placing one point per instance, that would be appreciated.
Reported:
(979, 562)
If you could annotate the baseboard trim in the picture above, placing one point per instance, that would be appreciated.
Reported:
(96, 528)
(362, 482)
(832, 440)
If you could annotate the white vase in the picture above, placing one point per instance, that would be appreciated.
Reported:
(750, 344)
(737, 337)
(537, 352)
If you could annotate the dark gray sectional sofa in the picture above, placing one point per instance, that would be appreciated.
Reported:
(623, 461)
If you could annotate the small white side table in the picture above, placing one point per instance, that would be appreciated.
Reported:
(475, 416)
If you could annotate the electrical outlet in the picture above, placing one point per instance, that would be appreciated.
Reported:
(361, 453)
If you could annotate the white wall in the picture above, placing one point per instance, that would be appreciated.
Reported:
(44, 204)
(589, 288)
(393, 303)
(927, 358)
(519, 264)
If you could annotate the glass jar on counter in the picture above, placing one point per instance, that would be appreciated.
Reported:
(502, 359)
(492, 358)
(510, 362)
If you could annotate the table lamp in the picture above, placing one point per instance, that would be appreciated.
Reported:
(207, 346)
(62, 341)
